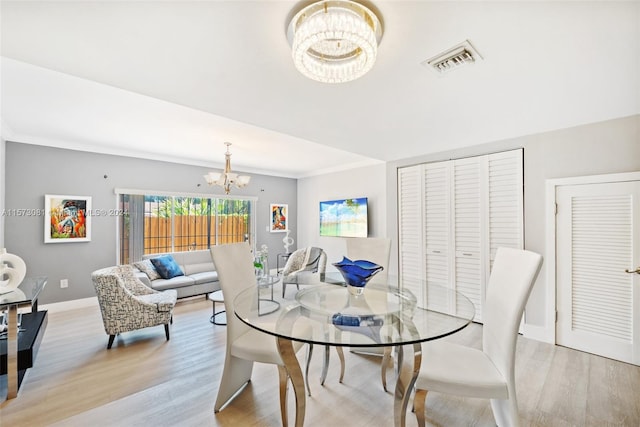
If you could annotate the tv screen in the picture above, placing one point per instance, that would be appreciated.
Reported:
(344, 218)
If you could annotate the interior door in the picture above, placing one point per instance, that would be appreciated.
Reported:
(598, 238)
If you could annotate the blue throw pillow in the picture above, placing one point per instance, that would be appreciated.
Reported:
(167, 267)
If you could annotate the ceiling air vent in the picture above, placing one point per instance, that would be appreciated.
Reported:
(459, 55)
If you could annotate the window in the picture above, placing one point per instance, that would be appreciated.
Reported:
(174, 223)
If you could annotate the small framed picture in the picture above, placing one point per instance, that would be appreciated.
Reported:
(67, 219)
(279, 217)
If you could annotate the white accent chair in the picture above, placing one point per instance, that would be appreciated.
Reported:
(488, 373)
(127, 304)
(245, 345)
(304, 266)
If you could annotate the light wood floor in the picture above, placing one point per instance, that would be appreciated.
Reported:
(146, 381)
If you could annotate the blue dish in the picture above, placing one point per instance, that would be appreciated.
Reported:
(357, 273)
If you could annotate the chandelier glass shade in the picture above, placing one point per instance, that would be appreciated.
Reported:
(227, 179)
(334, 41)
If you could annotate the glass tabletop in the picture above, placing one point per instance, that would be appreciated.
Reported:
(328, 314)
(25, 293)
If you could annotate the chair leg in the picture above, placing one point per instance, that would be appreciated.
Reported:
(341, 357)
(284, 388)
(325, 365)
(386, 358)
(111, 338)
(166, 330)
(306, 372)
(284, 288)
(505, 412)
(235, 374)
(419, 406)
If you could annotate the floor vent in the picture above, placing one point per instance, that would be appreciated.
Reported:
(459, 55)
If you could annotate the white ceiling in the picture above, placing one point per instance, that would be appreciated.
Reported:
(174, 79)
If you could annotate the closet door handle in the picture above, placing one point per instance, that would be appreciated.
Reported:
(637, 270)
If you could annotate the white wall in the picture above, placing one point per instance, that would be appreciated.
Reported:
(2, 187)
(367, 182)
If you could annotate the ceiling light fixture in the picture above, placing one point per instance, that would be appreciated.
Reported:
(334, 41)
(227, 179)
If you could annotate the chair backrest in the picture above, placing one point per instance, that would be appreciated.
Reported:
(301, 258)
(234, 264)
(374, 249)
(512, 277)
(114, 297)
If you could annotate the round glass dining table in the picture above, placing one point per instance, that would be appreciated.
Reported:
(327, 313)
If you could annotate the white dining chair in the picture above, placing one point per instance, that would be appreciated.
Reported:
(377, 250)
(488, 373)
(245, 345)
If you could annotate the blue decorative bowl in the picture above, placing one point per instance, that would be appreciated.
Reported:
(357, 273)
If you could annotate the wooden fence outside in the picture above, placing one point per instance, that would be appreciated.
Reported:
(192, 232)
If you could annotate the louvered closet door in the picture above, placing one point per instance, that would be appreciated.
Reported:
(468, 218)
(598, 237)
(505, 199)
(410, 236)
(437, 226)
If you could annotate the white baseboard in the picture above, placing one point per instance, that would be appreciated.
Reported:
(70, 305)
(538, 333)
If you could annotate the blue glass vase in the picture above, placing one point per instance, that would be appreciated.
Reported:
(357, 273)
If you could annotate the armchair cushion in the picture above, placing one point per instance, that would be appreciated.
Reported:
(167, 267)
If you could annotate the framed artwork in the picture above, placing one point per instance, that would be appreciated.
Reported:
(67, 218)
(279, 218)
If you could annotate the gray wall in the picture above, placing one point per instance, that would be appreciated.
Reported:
(598, 148)
(33, 171)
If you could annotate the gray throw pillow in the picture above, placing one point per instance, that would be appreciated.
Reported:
(146, 266)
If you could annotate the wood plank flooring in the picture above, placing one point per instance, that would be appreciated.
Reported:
(145, 380)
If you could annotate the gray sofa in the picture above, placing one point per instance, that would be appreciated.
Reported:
(200, 276)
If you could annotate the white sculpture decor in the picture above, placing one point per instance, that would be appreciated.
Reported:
(13, 267)
(288, 241)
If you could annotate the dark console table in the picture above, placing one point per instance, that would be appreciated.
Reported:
(18, 350)
(29, 341)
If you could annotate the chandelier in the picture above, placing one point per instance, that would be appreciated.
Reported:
(227, 179)
(334, 41)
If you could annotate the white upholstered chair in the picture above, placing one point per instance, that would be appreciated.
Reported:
(488, 373)
(377, 250)
(245, 345)
(127, 304)
(304, 266)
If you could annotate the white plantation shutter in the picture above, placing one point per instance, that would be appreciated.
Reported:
(601, 297)
(411, 261)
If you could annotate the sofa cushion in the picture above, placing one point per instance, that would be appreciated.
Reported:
(205, 277)
(198, 268)
(146, 266)
(173, 283)
(167, 267)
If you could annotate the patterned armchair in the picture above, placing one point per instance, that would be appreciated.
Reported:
(128, 304)
(304, 266)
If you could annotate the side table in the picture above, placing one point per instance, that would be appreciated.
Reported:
(216, 297)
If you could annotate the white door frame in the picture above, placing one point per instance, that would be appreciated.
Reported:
(548, 334)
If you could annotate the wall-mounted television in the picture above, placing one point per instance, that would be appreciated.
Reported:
(344, 218)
